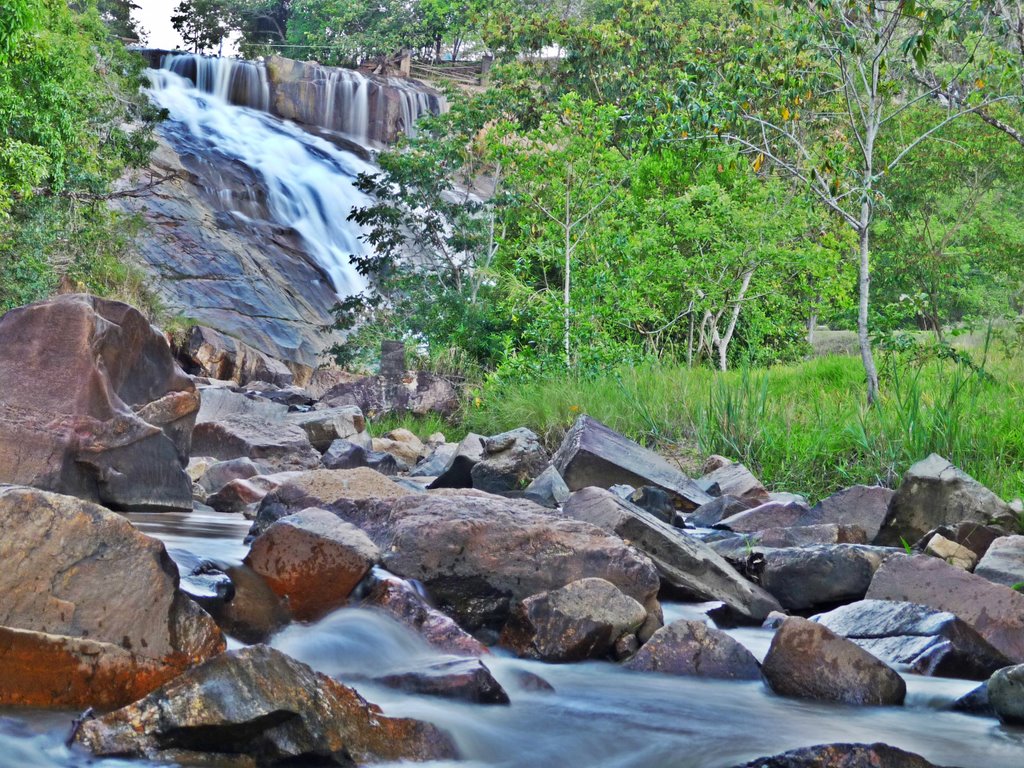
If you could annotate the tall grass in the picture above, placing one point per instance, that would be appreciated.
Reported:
(804, 427)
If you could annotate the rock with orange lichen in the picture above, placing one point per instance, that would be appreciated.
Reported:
(261, 704)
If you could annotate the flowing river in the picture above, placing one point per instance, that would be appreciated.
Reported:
(598, 715)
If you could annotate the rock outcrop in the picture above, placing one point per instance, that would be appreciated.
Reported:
(93, 405)
(693, 649)
(842, 756)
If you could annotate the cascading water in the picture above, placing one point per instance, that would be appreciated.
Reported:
(307, 182)
(242, 83)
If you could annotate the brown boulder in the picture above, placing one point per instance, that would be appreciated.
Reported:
(736, 480)
(582, 620)
(808, 660)
(994, 610)
(314, 560)
(865, 506)
(93, 405)
(842, 756)
(693, 649)
(260, 703)
(460, 679)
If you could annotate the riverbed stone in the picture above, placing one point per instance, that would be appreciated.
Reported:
(804, 578)
(461, 679)
(842, 756)
(734, 479)
(994, 610)
(343, 454)
(436, 461)
(1003, 562)
(771, 514)
(1006, 694)
(93, 405)
(934, 493)
(457, 472)
(929, 641)
(808, 660)
(313, 560)
(693, 649)
(689, 567)
(582, 620)
(865, 506)
(510, 461)
(323, 427)
(260, 703)
(717, 509)
(478, 555)
(547, 489)
(207, 352)
(954, 554)
(974, 536)
(253, 612)
(220, 473)
(592, 454)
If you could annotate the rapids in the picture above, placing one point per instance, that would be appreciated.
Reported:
(599, 715)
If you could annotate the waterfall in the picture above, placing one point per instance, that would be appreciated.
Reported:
(238, 82)
(306, 182)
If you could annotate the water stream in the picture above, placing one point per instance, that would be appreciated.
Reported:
(598, 715)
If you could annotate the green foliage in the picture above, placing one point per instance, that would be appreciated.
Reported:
(202, 24)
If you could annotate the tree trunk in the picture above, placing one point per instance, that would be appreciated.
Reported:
(568, 273)
(812, 326)
(864, 288)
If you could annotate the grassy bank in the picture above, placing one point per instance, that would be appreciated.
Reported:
(801, 427)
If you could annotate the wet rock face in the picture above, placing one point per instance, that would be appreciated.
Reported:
(1006, 694)
(693, 649)
(260, 703)
(93, 405)
(934, 493)
(808, 660)
(929, 641)
(842, 756)
(582, 620)
(477, 554)
(461, 679)
(995, 611)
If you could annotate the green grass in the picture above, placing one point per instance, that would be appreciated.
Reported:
(421, 426)
(802, 428)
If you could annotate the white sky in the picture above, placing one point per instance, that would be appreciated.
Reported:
(155, 19)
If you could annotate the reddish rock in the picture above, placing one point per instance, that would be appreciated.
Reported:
(693, 649)
(842, 756)
(93, 405)
(258, 702)
(314, 560)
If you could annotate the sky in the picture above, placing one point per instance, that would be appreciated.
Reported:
(155, 18)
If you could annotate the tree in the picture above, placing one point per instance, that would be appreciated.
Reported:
(202, 24)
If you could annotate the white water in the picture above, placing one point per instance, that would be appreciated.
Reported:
(309, 182)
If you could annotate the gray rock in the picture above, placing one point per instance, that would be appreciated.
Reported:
(655, 502)
(1003, 563)
(994, 611)
(1006, 694)
(460, 679)
(934, 493)
(808, 660)
(715, 510)
(929, 641)
(343, 454)
(223, 472)
(582, 620)
(591, 454)
(865, 506)
(974, 536)
(323, 427)
(510, 461)
(736, 480)
(771, 514)
(210, 353)
(260, 703)
(809, 577)
(686, 565)
(693, 649)
(416, 392)
(547, 489)
(457, 473)
(437, 462)
(842, 756)
(975, 702)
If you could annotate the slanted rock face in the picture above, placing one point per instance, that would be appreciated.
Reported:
(477, 554)
(736, 480)
(313, 559)
(73, 571)
(934, 493)
(685, 564)
(510, 461)
(693, 649)
(582, 620)
(865, 506)
(461, 679)
(995, 611)
(772, 514)
(1006, 694)
(1003, 562)
(261, 703)
(842, 756)
(808, 660)
(595, 455)
(214, 354)
(929, 641)
(93, 405)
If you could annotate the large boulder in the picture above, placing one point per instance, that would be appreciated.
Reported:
(592, 454)
(771, 514)
(72, 568)
(1006, 694)
(458, 470)
(313, 560)
(995, 611)
(718, 509)
(928, 641)
(842, 756)
(210, 353)
(736, 480)
(934, 493)
(689, 567)
(582, 620)
(808, 660)
(808, 577)
(344, 454)
(93, 405)
(865, 506)
(323, 427)
(460, 679)
(258, 702)
(547, 489)
(478, 555)
(416, 392)
(693, 649)
(510, 461)
(1003, 562)
(320, 488)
